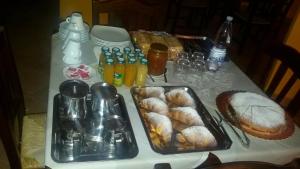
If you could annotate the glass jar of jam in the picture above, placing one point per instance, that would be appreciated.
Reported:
(157, 59)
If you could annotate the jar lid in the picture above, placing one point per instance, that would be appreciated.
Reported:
(158, 47)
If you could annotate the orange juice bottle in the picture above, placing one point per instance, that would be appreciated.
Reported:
(108, 71)
(115, 50)
(130, 72)
(104, 49)
(142, 70)
(119, 71)
(140, 57)
(126, 52)
(104, 54)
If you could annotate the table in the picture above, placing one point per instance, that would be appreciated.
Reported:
(278, 152)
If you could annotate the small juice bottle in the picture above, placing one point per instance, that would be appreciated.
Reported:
(119, 71)
(108, 71)
(115, 50)
(130, 72)
(102, 56)
(142, 70)
(126, 52)
(140, 57)
(104, 49)
(118, 55)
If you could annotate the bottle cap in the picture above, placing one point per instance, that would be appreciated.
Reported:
(115, 49)
(118, 54)
(141, 55)
(229, 18)
(131, 55)
(137, 50)
(107, 54)
(121, 60)
(144, 61)
(104, 49)
(126, 50)
(132, 60)
(109, 61)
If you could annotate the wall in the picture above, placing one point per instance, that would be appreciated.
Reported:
(66, 7)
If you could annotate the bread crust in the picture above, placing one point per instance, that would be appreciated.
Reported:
(277, 133)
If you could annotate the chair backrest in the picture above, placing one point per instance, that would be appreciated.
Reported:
(12, 103)
(132, 14)
(290, 59)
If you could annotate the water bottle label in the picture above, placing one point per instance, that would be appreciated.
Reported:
(217, 54)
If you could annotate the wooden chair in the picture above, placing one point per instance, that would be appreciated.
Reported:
(131, 14)
(19, 132)
(290, 59)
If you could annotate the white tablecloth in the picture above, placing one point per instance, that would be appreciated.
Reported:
(210, 85)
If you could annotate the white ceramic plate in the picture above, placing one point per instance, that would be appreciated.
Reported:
(109, 35)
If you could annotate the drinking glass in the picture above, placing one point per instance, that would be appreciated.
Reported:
(181, 65)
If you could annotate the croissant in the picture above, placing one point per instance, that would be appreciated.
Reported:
(186, 115)
(198, 136)
(146, 92)
(161, 125)
(179, 97)
(177, 125)
(154, 104)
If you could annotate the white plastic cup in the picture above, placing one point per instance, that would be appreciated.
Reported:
(72, 35)
(75, 21)
(72, 53)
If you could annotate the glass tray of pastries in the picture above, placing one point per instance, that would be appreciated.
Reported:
(176, 121)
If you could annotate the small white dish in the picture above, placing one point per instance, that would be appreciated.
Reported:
(81, 72)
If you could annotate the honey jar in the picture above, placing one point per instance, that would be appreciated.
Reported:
(157, 59)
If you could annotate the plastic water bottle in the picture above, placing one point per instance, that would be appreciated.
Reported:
(222, 41)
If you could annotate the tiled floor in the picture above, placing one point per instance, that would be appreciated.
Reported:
(29, 25)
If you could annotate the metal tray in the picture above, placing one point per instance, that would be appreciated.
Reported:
(121, 151)
(222, 138)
